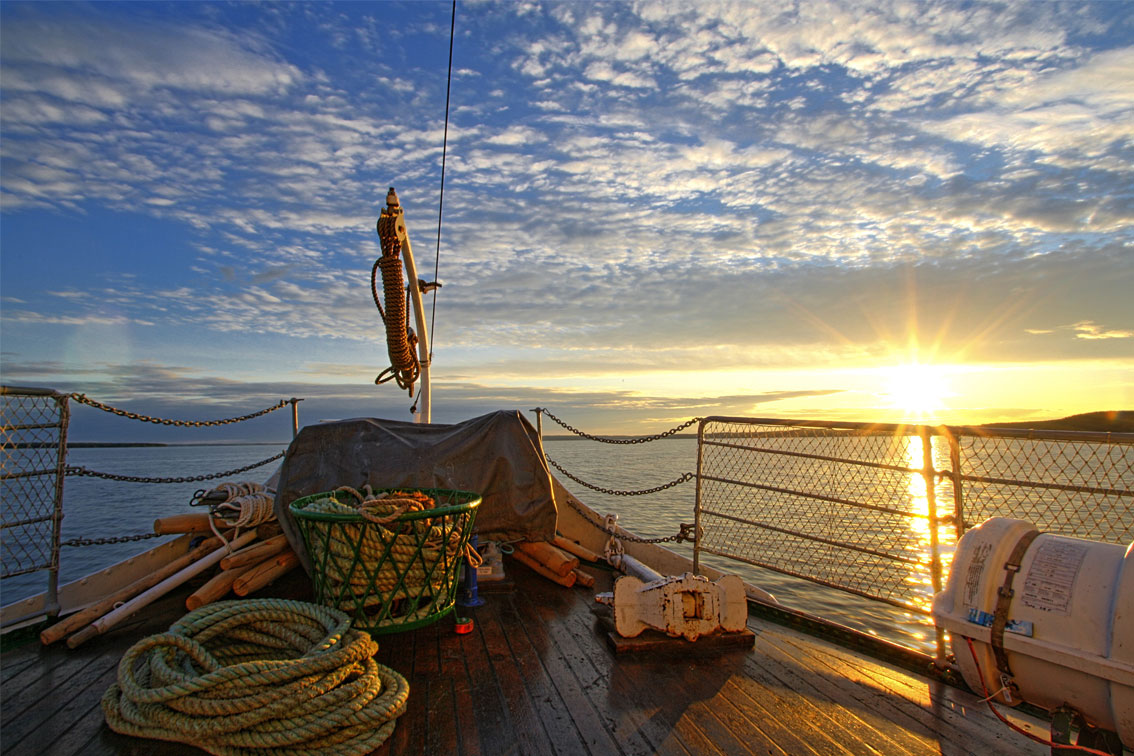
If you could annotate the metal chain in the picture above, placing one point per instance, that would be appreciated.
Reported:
(605, 440)
(104, 541)
(82, 471)
(83, 399)
(613, 492)
(685, 532)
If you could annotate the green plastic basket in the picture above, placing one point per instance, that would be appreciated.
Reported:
(389, 577)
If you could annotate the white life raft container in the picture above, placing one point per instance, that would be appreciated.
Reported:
(1065, 632)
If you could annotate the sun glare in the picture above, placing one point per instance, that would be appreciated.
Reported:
(915, 389)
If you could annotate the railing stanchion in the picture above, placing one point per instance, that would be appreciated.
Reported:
(51, 599)
(295, 416)
(958, 492)
(539, 422)
(929, 474)
(697, 502)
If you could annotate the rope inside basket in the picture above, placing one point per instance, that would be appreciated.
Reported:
(368, 565)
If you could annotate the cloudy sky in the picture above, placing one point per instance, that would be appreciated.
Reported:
(652, 211)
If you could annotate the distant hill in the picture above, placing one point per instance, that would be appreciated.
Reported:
(1115, 421)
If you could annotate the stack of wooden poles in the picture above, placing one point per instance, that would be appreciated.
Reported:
(557, 560)
(248, 561)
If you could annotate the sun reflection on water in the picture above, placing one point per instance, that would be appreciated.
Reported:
(919, 521)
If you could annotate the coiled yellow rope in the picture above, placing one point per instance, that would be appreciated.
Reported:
(244, 505)
(400, 338)
(239, 677)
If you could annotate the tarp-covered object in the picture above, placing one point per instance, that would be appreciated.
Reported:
(496, 455)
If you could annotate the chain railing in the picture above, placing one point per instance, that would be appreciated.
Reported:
(684, 478)
(684, 532)
(83, 399)
(876, 510)
(84, 472)
(541, 411)
(33, 465)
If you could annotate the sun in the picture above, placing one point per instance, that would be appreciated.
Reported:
(916, 389)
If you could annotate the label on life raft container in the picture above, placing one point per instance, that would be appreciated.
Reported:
(1019, 627)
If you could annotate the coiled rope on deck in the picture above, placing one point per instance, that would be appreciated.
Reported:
(238, 677)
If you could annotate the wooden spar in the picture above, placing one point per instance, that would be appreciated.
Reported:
(62, 629)
(584, 579)
(566, 581)
(549, 556)
(192, 522)
(264, 573)
(109, 620)
(576, 548)
(218, 586)
(80, 593)
(256, 553)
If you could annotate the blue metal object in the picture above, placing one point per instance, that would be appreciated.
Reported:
(468, 595)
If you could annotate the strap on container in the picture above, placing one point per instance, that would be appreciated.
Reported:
(1004, 601)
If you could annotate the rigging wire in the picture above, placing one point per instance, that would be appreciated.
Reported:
(440, 202)
(389, 260)
(441, 198)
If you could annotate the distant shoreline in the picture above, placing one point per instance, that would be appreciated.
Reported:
(143, 444)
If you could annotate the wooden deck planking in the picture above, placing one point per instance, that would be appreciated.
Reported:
(468, 739)
(642, 689)
(550, 707)
(832, 705)
(601, 722)
(537, 677)
(823, 728)
(530, 735)
(879, 701)
(561, 658)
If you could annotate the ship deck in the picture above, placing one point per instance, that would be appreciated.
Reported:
(537, 676)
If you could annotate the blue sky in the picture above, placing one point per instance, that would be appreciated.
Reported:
(653, 211)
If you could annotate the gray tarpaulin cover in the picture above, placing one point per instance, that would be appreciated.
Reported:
(496, 455)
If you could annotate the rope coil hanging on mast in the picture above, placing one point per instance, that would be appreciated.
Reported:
(401, 341)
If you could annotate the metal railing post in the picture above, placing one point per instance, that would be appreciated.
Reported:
(958, 493)
(697, 501)
(295, 416)
(539, 422)
(51, 600)
(929, 474)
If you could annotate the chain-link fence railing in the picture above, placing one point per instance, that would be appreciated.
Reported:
(33, 446)
(846, 507)
(877, 510)
(1082, 487)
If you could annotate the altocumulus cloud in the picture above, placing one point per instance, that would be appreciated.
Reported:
(630, 186)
